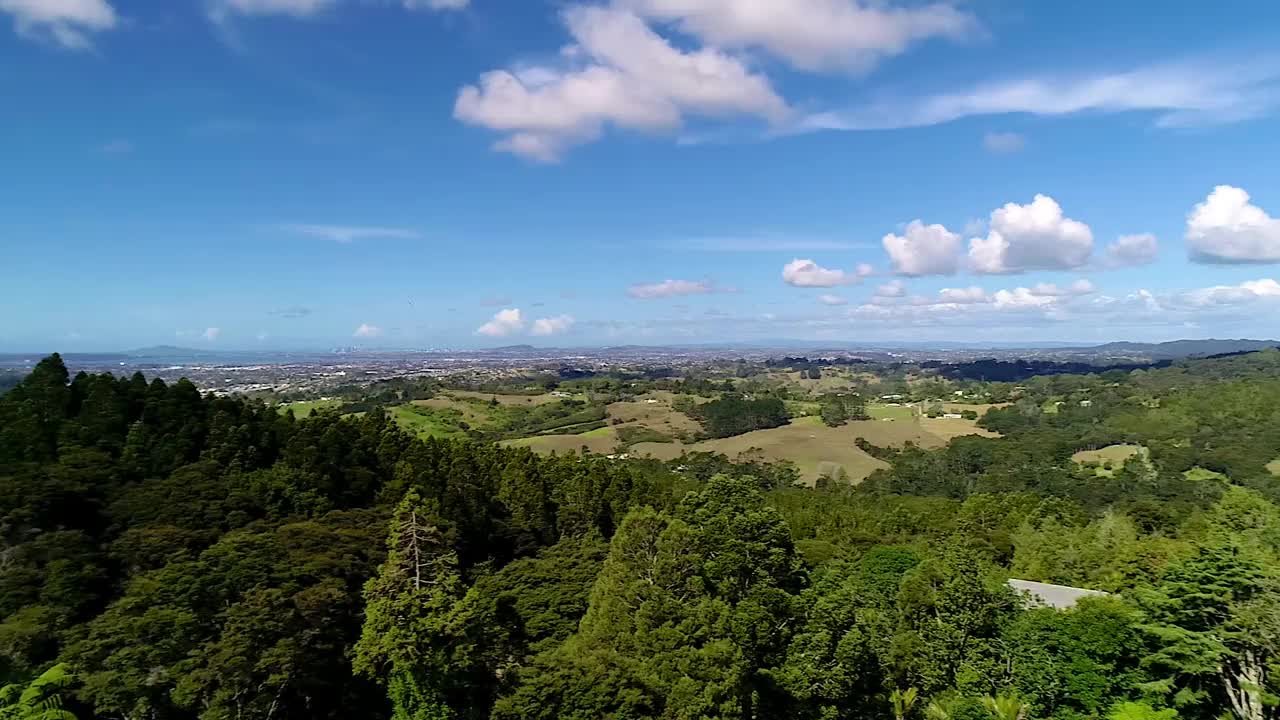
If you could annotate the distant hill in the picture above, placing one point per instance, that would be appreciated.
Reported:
(1186, 348)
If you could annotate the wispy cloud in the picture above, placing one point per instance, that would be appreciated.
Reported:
(670, 288)
(1180, 94)
(66, 23)
(292, 312)
(114, 147)
(367, 331)
(351, 233)
(1003, 143)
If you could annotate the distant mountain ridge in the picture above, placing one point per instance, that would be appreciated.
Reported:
(1187, 348)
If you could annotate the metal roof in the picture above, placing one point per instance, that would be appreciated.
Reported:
(1060, 597)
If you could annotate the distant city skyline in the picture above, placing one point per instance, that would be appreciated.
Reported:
(304, 174)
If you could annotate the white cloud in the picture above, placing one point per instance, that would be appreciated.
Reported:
(809, 274)
(311, 8)
(1031, 237)
(294, 8)
(211, 334)
(1130, 250)
(832, 300)
(1181, 94)
(963, 296)
(67, 22)
(669, 288)
(504, 323)
(892, 289)
(436, 4)
(923, 250)
(812, 34)
(1003, 142)
(632, 78)
(348, 233)
(1021, 297)
(1249, 291)
(1079, 287)
(1227, 228)
(552, 325)
(367, 331)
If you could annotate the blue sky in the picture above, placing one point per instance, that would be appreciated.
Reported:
(442, 173)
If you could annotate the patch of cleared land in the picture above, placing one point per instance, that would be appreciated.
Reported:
(948, 428)
(1274, 466)
(306, 407)
(425, 422)
(886, 411)
(507, 399)
(654, 412)
(1109, 458)
(601, 441)
(1199, 473)
(474, 413)
(815, 448)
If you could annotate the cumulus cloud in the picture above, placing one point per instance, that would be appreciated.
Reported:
(923, 250)
(1003, 142)
(891, 289)
(1130, 250)
(504, 323)
(1180, 94)
(367, 331)
(1020, 298)
(1249, 291)
(617, 72)
(351, 233)
(211, 334)
(552, 325)
(669, 288)
(848, 35)
(1036, 236)
(66, 22)
(963, 296)
(1227, 228)
(809, 274)
(1079, 287)
(829, 299)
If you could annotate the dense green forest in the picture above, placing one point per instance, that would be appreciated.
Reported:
(168, 555)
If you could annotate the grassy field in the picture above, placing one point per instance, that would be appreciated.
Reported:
(602, 441)
(306, 407)
(657, 415)
(473, 412)
(507, 399)
(884, 411)
(815, 448)
(1111, 455)
(948, 428)
(427, 422)
(1199, 473)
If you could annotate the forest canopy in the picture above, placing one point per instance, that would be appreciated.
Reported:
(173, 555)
